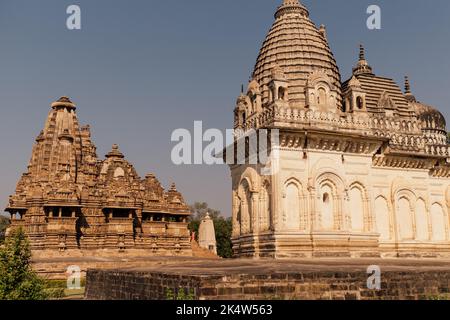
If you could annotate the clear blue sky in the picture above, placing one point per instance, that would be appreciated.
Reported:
(139, 69)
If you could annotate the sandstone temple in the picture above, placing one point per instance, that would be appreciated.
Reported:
(69, 200)
(362, 168)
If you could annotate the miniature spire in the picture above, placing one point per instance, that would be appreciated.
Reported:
(362, 53)
(407, 85)
(363, 66)
(408, 95)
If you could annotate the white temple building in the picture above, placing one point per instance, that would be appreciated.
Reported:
(363, 167)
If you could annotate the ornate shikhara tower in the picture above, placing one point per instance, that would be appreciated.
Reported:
(363, 168)
(69, 200)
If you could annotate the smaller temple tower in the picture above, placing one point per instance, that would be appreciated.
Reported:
(207, 234)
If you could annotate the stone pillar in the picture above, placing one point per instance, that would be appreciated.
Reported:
(276, 196)
(255, 214)
(256, 224)
(50, 213)
(262, 215)
(430, 225)
(313, 206)
(60, 212)
(339, 214)
(74, 213)
(110, 213)
(235, 211)
(412, 210)
(130, 214)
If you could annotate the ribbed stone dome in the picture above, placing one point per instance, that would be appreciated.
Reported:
(432, 119)
(299, 48)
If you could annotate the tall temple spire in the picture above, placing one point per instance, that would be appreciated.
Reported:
(363, 66)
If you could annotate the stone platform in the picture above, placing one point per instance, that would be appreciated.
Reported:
(54, 266)
(154, 278)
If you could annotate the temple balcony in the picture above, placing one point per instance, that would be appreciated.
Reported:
(63, 224)
(120, 220)
(285, 116)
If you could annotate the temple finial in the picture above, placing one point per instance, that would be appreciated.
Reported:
(362, 53)
(407, 85)
(362, 66)
(408, 94)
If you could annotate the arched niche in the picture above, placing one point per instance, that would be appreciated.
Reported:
(404, 218)
(358, 212)
(291, 217)
(327, 206)
(119, 173)
(438, 222)
(320, 92)
(245, 207)
(383, 219)
(421, 216)
(330, 190)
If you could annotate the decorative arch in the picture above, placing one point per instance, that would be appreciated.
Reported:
(404, 201)
(329, 167)
(383, 218)
(359, 208)
(320, 92)
(294, 206)
(330, 194)
(404, 214)
(422, 222)
(245, 207)
(252, 178)
(438, 223)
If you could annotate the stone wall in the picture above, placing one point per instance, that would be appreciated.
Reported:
(134, 285)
